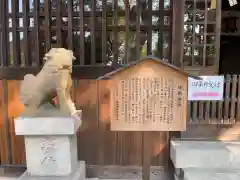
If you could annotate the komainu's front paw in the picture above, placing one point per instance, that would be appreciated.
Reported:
(78, 116)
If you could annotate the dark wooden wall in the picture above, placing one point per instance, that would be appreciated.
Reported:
(97, 145)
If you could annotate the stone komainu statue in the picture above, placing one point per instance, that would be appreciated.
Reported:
(36, 92)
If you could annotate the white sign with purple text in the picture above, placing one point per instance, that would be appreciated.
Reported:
(209, 88)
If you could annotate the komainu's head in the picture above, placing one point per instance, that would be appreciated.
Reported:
(60, 57)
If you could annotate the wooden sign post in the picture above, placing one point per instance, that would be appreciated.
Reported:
(148, 95)
(147, 150)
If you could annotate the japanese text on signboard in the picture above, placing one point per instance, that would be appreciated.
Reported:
(146, 101)
(208, 88)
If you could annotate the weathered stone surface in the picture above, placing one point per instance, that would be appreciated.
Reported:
(51, 145)
(205, 154)
(111, 172)
(51, 155)
(46, 125)
(53, 80)
(196, 174)
(78, 174)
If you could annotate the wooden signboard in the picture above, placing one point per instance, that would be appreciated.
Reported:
(148, 104)
(148, 96)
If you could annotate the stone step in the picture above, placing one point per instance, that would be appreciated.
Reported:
(205, 154)
(196, 174)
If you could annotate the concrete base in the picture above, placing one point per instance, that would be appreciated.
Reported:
(196, 174)
(51, 144)
(206, 160)
(78, 174)
(51, 155)
(205, 154)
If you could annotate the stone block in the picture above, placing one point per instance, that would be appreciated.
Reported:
(51, 144)
(46, 126)
(221, 174)
(51, 155)
(205, 154)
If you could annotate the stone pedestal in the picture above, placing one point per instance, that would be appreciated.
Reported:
(206, 160)
(51, 147)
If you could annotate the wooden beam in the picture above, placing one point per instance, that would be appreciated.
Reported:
(79, 72)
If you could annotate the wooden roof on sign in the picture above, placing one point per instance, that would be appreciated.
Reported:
(171, 66)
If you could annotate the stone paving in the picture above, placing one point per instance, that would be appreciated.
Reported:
(156, 174)
(9, 174)
(8, 178)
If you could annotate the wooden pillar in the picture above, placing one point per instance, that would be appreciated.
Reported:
(178, 32)
(218, 32)
(4, 33)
